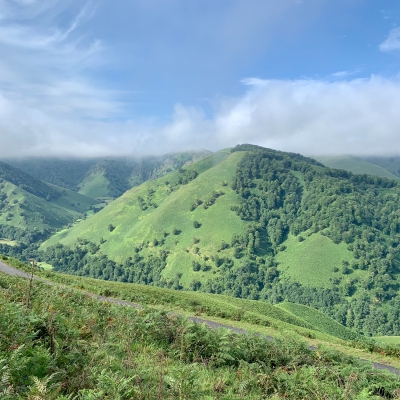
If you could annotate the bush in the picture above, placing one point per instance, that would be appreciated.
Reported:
(196, 224)
(196, 266)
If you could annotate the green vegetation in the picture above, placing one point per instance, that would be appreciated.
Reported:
(356, 165)
(62, 344)
(31, 210)
(313, 260)
(252, 223)
(319, 321)
(391, 340)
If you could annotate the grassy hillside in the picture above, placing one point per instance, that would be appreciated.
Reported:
(357, 166)
(165, 206)
(391, 340)
(100, 351)
(95, 185)
(391, 164)
(319, 321)
(312, 260)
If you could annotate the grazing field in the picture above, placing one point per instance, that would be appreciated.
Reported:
(312, 261)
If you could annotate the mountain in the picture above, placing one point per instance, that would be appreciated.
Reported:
(104, 178)
(359, 165)
(253, 223)
(30, 208)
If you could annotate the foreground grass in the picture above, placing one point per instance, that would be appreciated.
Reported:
(253, 316)
(57, 343)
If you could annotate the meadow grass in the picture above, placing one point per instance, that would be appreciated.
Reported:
(312, 261)
(254, 316)
(388, 339)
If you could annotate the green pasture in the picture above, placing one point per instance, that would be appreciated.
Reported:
(313, 260)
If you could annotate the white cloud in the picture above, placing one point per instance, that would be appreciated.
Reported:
(306, 116)
(392, 42)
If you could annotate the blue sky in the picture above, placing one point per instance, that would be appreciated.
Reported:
(142, 76)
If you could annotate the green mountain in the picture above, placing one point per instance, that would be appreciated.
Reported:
(253, 223)
(30, 208)
(104, 178)
(359, 165)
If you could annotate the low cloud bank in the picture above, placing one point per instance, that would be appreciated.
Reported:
(306, 116)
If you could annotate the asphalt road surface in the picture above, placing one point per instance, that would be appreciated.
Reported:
(213, 325)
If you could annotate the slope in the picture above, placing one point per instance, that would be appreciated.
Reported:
(319, 321)
(116, 352)
(159, 212)
(104, 178)
(356, 165)
(391, 164)
(29, 208)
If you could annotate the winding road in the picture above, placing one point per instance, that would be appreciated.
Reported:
(211, 324)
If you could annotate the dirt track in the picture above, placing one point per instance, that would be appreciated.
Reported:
(213, 325)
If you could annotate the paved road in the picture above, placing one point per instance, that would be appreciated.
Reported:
(213, 325)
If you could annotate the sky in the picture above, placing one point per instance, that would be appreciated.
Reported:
(119, 78)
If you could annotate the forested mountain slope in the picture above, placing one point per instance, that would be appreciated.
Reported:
(253, 223)
(108, 177)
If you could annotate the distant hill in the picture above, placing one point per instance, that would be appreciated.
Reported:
(391, 164)
(253, 223)
(104, 178)
(30, 208)
(359, 165)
